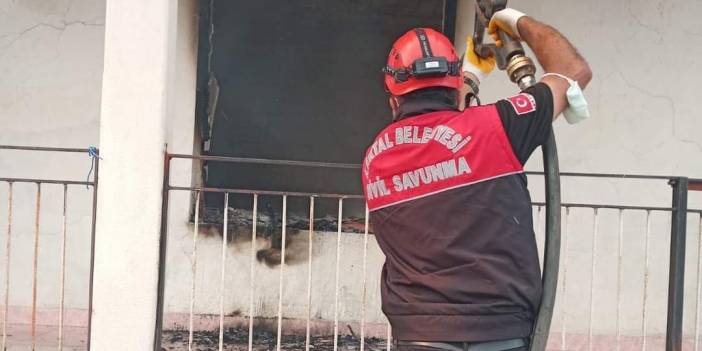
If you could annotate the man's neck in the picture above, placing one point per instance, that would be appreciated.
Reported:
(416, 107)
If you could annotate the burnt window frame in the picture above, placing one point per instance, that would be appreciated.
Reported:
(207, 89)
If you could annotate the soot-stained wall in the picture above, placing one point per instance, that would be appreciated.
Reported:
(298, 80)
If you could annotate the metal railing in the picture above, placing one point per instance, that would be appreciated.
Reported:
(65, 184)
(255, 194)
(678, 212)
(678, 217)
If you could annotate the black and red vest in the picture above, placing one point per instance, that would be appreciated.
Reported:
(453, 218)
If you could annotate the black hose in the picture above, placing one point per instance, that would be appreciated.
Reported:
(552, 249)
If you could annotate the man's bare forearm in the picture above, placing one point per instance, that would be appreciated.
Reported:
(553, 51)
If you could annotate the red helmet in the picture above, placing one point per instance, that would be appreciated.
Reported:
(422, 58)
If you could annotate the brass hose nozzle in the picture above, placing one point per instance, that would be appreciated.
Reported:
(521, 70)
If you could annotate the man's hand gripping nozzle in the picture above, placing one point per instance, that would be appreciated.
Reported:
(508, 49)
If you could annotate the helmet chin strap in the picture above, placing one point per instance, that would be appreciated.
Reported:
(469, 100)
(473, 94)
(394, 106)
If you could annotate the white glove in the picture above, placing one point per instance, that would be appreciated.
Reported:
(478, 66)
(506, 21)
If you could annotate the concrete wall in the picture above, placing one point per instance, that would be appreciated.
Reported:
(643, 102)
(644, 120)
(643, 110)
(51, 55)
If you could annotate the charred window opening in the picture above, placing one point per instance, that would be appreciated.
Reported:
(269, 223)
(297, 80)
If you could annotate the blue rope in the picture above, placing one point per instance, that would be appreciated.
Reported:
(93, 153)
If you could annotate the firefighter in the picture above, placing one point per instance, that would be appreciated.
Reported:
(447, 191)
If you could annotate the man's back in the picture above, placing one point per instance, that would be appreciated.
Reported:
(453, 216)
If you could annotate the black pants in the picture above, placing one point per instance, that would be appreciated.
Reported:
(503, 345)
(428, 348)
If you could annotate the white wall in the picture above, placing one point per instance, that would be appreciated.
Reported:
(644, 120)
(642, 100)
(51, 68)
